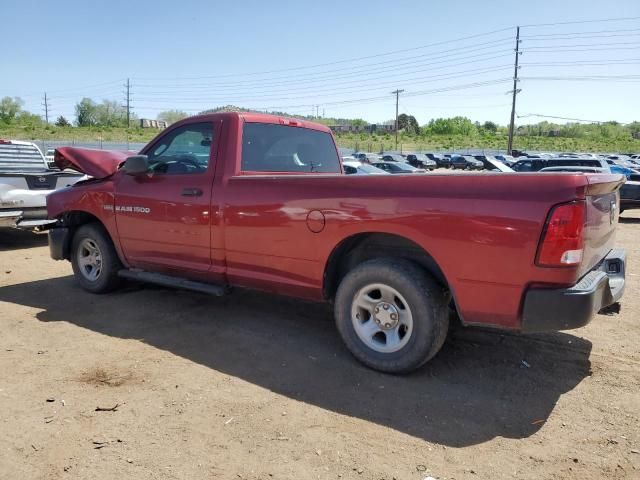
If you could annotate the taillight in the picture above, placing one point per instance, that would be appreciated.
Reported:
(562, 243)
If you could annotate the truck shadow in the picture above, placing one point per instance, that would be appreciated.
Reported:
(482, 385)
(14, 239)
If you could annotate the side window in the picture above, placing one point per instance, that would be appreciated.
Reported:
(281, 148)
(185, 150)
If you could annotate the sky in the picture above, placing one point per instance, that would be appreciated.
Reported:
(337, 58)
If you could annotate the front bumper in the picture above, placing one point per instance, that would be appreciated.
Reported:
(574, 307)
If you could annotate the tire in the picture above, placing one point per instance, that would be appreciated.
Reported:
(393, 287)
(98, 272)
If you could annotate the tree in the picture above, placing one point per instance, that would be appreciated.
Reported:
(62, 122)
(452, 126)
(408, 123)
(10, 108)
(110, 114)
(86, 113)
(490, 127)
(172, 116)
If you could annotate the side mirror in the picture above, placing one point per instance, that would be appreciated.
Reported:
(136, 165)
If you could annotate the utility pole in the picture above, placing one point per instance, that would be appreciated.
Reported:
(515, 92)
(317, 111)
(46, 108)
(128, 86)
(397, 94)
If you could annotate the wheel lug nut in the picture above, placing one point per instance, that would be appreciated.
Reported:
(386, 307)
(387, 325)
(394, 316)
(377, 310)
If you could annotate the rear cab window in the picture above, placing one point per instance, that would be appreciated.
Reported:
(276, 148)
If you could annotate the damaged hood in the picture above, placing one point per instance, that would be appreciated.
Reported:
(95, 163)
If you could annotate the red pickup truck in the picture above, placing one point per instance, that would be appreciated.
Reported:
(260, 201)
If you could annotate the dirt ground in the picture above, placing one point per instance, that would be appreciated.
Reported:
(252, 386)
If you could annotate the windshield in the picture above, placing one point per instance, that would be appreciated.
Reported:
(369, 169)
(404, 166)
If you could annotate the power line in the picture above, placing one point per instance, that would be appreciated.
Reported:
(335, 89)
(306, 85)
(579, 45)
(360, 101)
(527, 115)
(622, 61)
(562, 34)
(580, 22)
(359, 70)
(588, 78)
(577, 37)
(349, 60)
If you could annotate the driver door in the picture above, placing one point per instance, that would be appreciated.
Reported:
(163, 217)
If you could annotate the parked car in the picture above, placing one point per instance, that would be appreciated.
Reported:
(358, 168)
(393, 254)
(537, 164)
(393, 157)
(465, 162)
(443, 161)
(25, 182)
(506, 159)
(629, 192)
(398, 167)
(368, 157)
(420, 160)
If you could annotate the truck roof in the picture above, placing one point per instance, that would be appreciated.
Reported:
(259, 118)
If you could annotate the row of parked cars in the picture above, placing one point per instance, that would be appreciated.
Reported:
(422, 162)
(395, 163)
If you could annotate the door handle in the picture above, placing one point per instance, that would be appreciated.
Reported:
(191, 192)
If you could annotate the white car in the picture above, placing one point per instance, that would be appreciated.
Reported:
(352, 167)
(25, 182)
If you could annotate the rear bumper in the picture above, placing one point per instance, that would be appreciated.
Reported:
(9, 218)
(574, 307)
(25, 218)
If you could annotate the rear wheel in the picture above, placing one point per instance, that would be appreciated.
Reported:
(391, 314)
(94, 259)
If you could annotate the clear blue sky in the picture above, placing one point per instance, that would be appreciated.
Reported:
(197, 54)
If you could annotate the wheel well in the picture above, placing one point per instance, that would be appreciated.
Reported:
(365, 246)
(72, 220)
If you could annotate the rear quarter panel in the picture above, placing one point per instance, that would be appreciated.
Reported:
(482, 230)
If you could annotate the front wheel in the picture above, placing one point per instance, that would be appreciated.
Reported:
(94, 259)
(391, 314)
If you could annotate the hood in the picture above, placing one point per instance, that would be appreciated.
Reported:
(95, 163)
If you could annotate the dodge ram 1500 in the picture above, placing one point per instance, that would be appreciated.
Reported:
(258, 201)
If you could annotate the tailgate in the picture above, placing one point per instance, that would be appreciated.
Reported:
(603, 208)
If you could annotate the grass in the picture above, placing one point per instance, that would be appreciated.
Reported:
(366, 142)
(358, 141)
